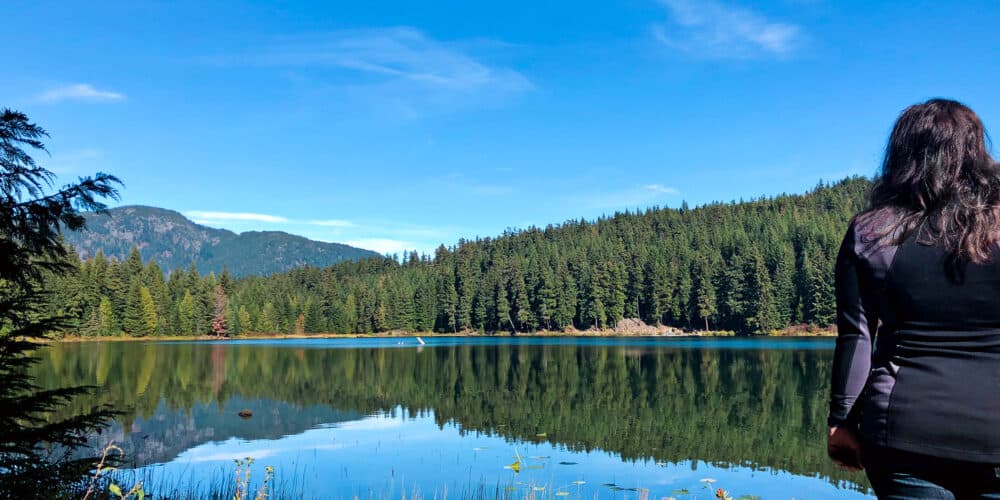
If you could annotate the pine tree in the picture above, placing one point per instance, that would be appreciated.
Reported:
(220, 323)
(134, 316)
(149, 317)
(761, 291)
(265, 322)
(243, 320)
(447, 301)
(31, 219)
(186, 312)
(107, 325)
(706, 300)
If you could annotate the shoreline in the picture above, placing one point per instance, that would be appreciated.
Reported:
(790, 332)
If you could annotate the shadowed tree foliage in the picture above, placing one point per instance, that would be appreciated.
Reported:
(35, 449)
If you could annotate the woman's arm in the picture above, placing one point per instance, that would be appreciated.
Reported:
(853, 356)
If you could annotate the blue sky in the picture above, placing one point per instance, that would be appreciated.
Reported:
(395, 125)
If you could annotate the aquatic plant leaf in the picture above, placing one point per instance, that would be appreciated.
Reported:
(562, 493)
(567, 463)
(748, 497)
(578, 483)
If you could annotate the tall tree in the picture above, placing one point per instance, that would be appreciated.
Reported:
(220, 323)
(31, 219)
(186, 312)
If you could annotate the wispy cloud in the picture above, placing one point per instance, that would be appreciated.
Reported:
(660, 188)
(381, 236)
(199, 215)
(383, 245)
(707, 28)
(331, 223)
(636, 196)
(400, 66)
(79, 92)
(71, 162)
(202, 216)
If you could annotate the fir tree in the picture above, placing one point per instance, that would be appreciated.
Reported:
(32, 217)
(220, 324)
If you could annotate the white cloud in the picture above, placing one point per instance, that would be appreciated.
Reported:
(707, 28)
(383, 245)
(632, 197)
(660, 188)
(71, 162)
(401, 53)
(332, 223)
(371, 424)
(79, 92)
(233, 216)
(400, 71)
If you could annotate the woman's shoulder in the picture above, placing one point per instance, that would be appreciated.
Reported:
(872, 231)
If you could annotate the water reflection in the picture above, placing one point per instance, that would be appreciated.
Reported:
(727, 406)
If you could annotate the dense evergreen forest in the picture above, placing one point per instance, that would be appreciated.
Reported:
(750, 267)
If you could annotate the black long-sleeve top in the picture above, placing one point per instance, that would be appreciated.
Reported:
(917, 362)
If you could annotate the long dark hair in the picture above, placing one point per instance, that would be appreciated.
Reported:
(937, 178)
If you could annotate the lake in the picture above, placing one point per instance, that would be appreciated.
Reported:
(388, 418)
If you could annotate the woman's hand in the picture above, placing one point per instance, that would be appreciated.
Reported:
(844, 449)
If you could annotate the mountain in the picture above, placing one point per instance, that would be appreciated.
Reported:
(174, 242)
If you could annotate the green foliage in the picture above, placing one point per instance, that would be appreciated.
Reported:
(186, 313)
(750, 267)
(140, 312)
(36, 447)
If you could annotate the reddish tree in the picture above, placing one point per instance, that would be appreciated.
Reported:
(219, 324)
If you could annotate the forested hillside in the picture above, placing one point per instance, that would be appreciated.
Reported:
(174, 242)
(752, 267)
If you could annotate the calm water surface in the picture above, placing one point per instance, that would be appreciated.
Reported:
(380, 418)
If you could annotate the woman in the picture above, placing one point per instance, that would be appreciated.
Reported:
(922, 267)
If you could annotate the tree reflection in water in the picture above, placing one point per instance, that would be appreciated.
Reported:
(757, 408)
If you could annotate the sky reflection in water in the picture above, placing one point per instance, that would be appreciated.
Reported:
(379, 418)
